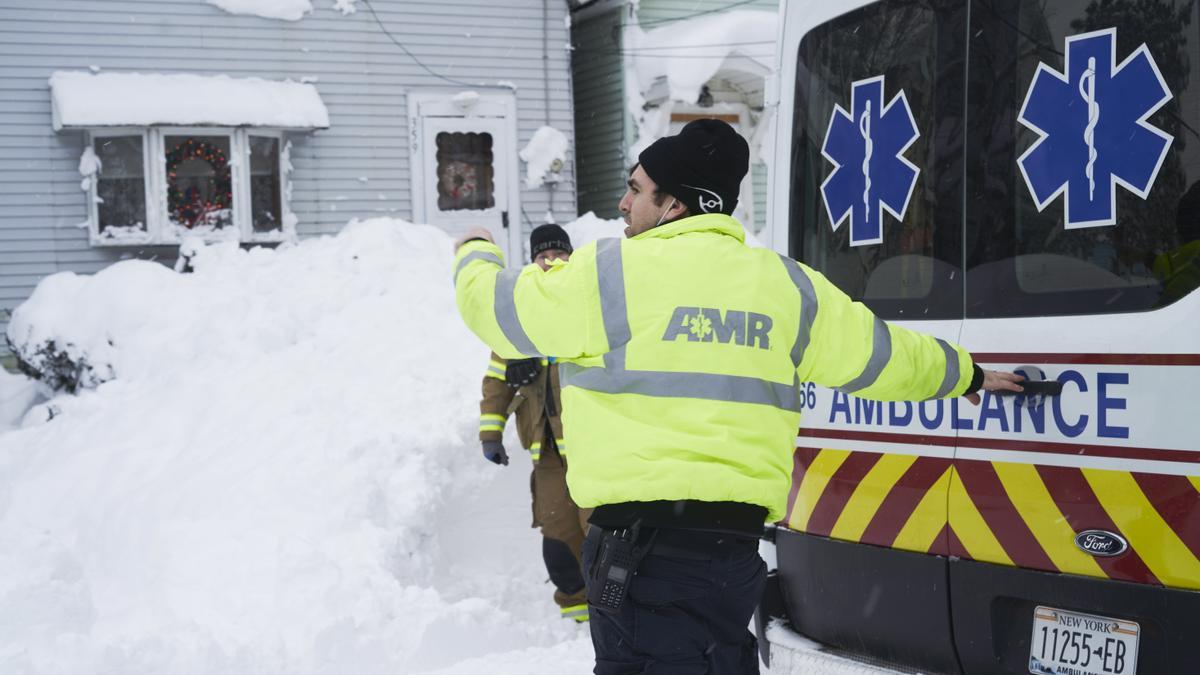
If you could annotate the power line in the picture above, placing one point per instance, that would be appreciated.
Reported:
(685, 17)
(715, 44)
(626, 52)
(420, 63)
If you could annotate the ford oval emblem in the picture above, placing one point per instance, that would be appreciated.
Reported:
(1101, 543)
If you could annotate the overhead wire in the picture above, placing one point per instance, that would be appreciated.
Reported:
(700, 46)
(626, 52)
(421, 63)
(715, 10)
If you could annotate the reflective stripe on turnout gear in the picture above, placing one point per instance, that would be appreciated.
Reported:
(491, 422)
(577, 612)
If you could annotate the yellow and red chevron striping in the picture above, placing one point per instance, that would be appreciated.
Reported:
(902, 500)
(802, 458)
(1177, 500)
(983, 487)
(1002, 512)
(1082, 510)
(841, 486)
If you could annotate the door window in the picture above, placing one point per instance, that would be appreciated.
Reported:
(1124, 233)
(464, 171)
(904, 267)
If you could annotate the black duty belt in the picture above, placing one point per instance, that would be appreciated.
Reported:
(691, 544)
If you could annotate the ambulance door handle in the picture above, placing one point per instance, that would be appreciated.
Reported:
(1035, 388)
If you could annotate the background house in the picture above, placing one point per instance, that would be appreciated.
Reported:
(415, 109)
(644, 69)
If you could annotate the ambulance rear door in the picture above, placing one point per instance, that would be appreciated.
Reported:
(1081, 245)
(870, 168)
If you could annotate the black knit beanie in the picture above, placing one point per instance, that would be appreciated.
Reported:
(546, 237)
(701, 166)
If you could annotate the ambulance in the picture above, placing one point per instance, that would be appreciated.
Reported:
(1021, 177)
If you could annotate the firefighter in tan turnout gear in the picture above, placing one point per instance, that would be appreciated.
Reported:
(530, 388)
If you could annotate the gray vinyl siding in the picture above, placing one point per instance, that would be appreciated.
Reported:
(361, 75)
(600, 118)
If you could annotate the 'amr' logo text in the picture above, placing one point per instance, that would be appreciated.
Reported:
(704, 324)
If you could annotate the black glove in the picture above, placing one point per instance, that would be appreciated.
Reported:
(522, 372)
(494, 452)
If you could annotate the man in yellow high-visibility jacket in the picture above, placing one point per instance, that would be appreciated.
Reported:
(681, 353)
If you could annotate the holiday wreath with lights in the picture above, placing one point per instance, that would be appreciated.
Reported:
(185, 206)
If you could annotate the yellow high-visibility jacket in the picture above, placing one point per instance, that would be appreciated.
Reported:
(681, 355)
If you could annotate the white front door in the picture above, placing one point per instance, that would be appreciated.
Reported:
(464, 164)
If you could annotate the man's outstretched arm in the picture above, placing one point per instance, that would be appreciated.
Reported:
(527, 312)
(853, 351)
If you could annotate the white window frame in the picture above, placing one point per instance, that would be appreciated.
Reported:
(170, 234)
(285, 211)
(159, 230)
(93, 195)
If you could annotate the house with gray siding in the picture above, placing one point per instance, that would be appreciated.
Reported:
(427, 105)
(617, 113)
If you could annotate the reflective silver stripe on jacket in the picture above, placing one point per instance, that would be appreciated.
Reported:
(729, 388)
(613, 378)
(952, 370)
(475, 255)
(610, 273)
(881, 353)
(506, 313)
(808, 307)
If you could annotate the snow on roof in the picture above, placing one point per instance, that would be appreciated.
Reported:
(690, 52)
(288, 10)
(82, 99)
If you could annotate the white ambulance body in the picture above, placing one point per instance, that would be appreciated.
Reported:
(1023, 178)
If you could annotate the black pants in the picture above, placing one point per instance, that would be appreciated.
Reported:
(684, 614)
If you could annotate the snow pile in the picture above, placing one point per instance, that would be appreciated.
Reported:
(465, 100)
(545, 154)
(17, 394)
(89, 166)
(686, 55)
(284, 478)
(689, 53)
(84, 99)
(591, 227)
(288, 10)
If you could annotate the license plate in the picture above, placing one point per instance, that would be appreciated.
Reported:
(1067, 643)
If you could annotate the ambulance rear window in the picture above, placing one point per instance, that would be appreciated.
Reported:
(910, 269)
(1061, 189)
(1099, 246)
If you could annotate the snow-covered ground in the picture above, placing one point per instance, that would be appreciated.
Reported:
(280, 474)
(277, 473)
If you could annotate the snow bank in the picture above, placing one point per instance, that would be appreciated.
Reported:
(288, 10)
(590, 227)
(84, 99)
(281, 479)
(686, 55)
(17, 394)
(545, 154)
(689, 53)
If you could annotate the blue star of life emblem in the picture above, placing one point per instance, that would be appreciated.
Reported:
(1092, 129)
(870, 173)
